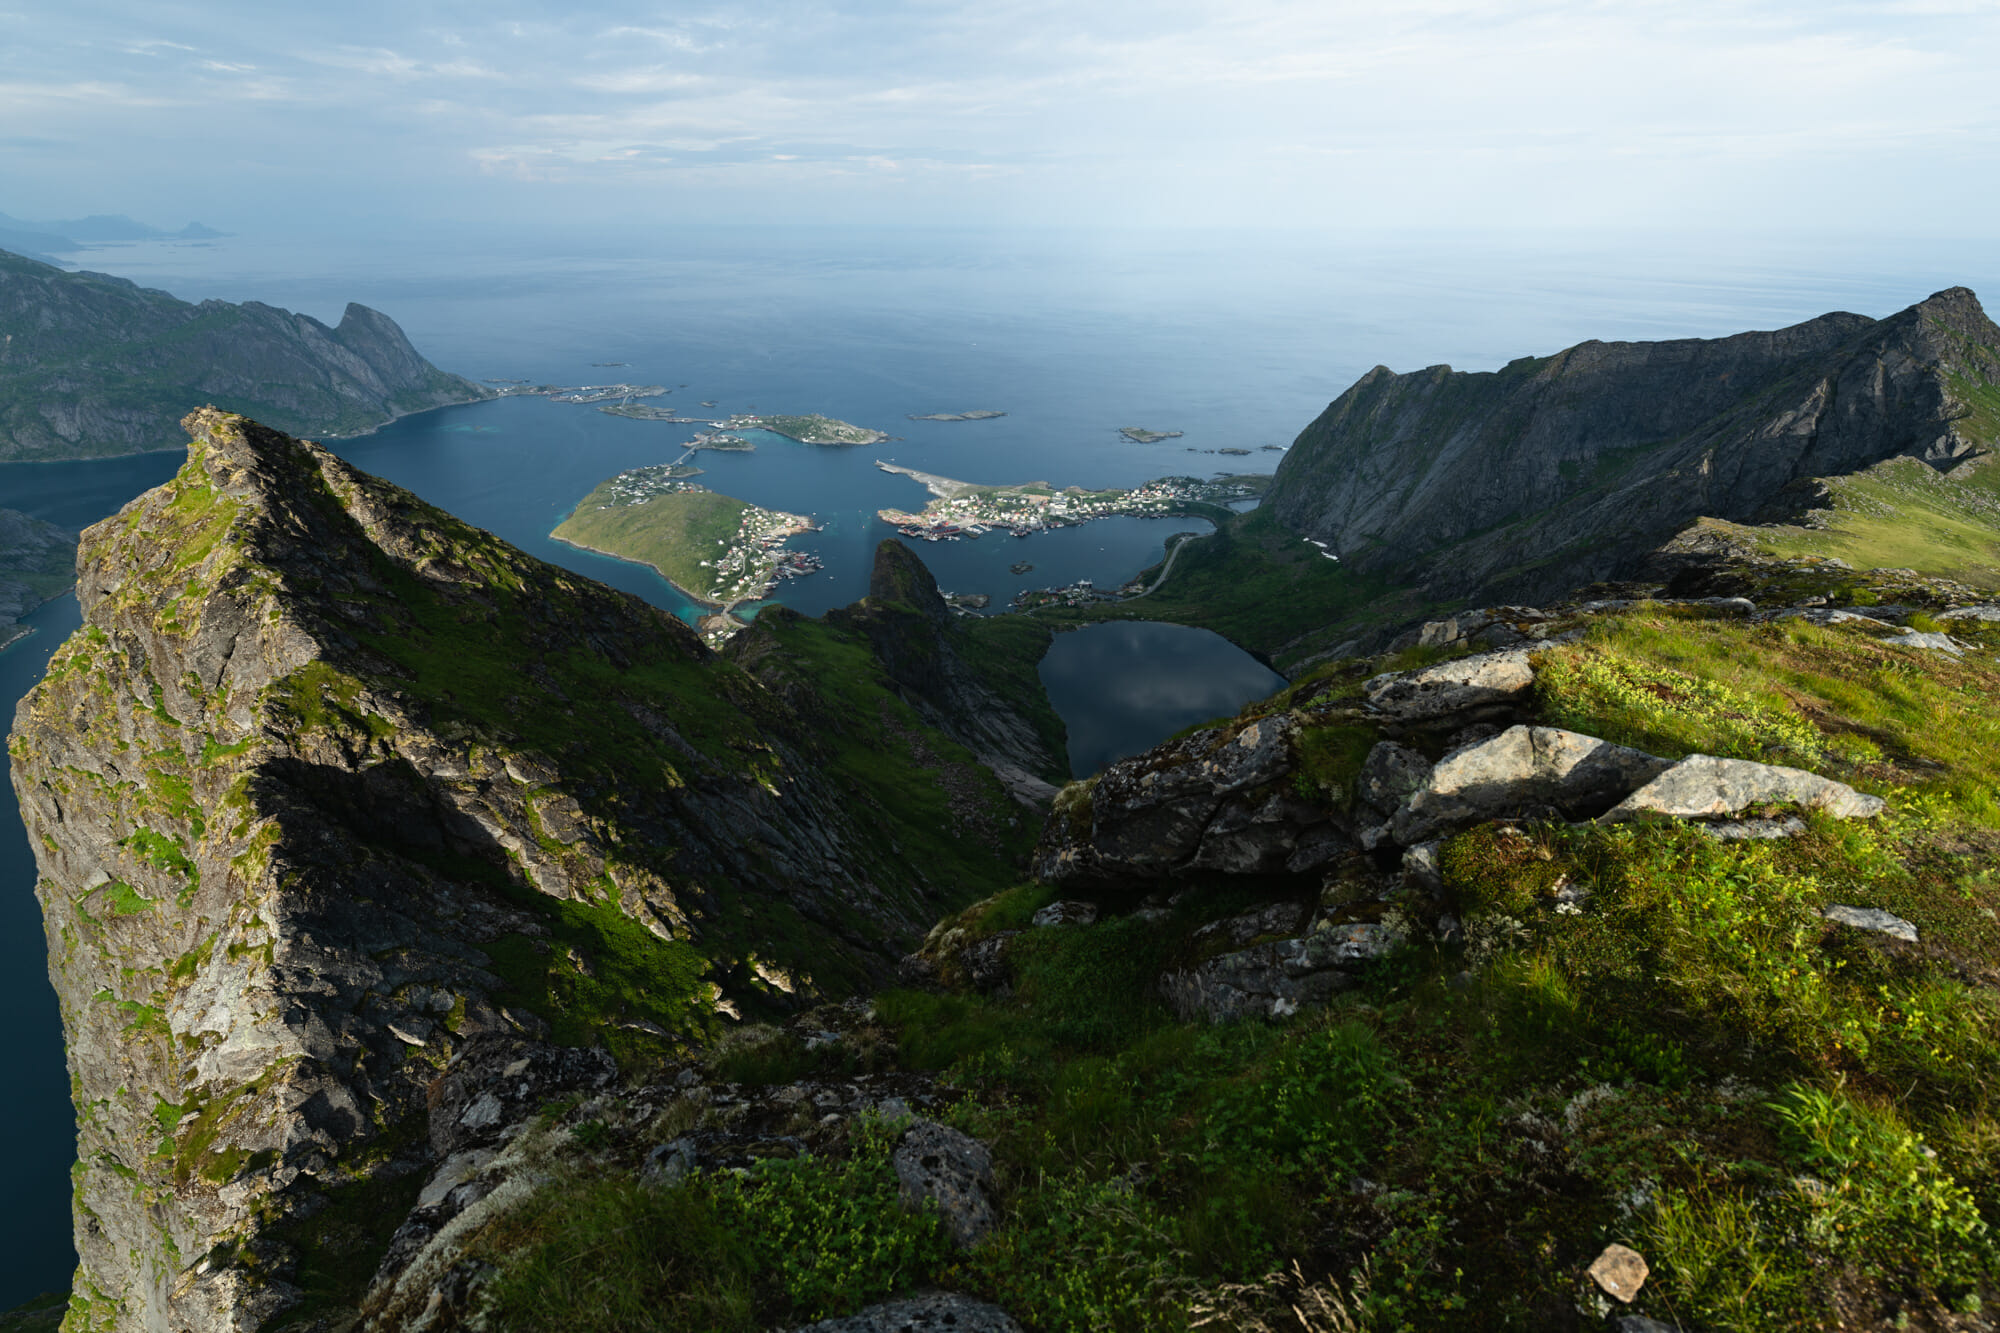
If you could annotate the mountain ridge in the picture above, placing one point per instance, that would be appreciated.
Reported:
(93, 365)
(1556, 471)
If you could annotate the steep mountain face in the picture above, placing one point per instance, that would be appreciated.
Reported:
(930, 665)
(332, 791)
(92, 365)
(34, 566)
(1529, 480)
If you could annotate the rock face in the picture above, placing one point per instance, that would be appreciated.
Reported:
(92, 365)
(332, 790)
(926, 660)
(1612, 448)
(1523, 769)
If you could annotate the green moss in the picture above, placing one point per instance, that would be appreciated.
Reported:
(598, 974)
(1330, 759)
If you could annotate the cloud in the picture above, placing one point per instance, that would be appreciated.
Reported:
(1481, 107)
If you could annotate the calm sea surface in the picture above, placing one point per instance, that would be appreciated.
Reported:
(1236, 340)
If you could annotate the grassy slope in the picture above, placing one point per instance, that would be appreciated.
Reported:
(1796, 1125)
(1905, 515)
(673, 533)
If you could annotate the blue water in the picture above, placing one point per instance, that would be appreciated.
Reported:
(1237, 340)
(1124, 685)
(35, 1120)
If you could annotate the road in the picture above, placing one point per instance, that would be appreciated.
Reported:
(1165, 569)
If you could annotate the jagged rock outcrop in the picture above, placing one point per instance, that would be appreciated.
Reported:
(1553, 471)
(913, 635)
(92, 365)
(332, 790)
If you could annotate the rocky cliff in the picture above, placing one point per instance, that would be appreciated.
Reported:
(332, 792)
(1554, 471)
(92, 365)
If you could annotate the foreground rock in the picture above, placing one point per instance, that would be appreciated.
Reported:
(1522, 771)
(939, 1313)
(1705, 787)
(938, 1166)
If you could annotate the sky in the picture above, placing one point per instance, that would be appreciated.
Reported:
(1417, 114)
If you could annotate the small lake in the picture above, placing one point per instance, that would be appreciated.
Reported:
(1126, 685)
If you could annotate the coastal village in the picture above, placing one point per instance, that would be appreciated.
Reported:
(962, 509)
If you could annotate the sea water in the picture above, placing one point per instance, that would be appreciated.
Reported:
(1236, 340)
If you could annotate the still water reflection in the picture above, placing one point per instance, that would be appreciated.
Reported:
(1125, 686)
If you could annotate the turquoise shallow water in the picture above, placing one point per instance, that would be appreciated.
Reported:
(1237, 340)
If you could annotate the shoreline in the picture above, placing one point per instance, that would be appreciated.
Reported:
(665, 578)
(182, 448)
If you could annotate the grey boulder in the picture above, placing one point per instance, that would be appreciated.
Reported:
(939, 1165)
(1518, 771)
(1703, 786)
(933, 1313)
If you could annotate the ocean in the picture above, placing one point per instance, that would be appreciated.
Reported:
(1235, 339)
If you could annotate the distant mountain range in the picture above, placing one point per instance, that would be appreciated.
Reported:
(40, 240)
(92, 366)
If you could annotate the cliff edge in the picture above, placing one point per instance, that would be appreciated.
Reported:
(331, 790)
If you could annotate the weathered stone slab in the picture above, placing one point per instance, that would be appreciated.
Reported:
(1986, 612)
(1910, 638)
(1523, 768)
(1703, 786)
(1872, 918)
(1452, 687)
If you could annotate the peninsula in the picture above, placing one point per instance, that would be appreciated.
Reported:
(93, 366)
(966, 509)
(718, 550)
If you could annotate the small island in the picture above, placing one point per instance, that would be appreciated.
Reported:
(717, 550)
(813, 429)
(981, 414)
(1140, 435)
(647, 412)
(964, 509)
